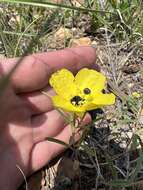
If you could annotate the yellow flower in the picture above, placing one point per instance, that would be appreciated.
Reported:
(80, 93)
(136, 94)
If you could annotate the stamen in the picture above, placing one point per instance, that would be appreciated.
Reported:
(77, 101)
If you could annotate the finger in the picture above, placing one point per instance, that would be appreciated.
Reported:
(35, 70)
(44, 151)
(38, 102)
(48, 124)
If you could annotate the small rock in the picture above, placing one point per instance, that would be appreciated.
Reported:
(130, 85)
(85, 41)
(63, 33)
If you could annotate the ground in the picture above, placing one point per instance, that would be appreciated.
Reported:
(110, 157)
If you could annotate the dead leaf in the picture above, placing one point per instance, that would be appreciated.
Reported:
(130, 69)
(78, 3)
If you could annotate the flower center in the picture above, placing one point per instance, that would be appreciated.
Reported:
(77, 101)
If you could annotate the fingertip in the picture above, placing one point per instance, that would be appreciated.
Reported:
(85, 54)
(90, 51)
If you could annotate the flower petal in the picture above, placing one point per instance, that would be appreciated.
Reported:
(62, 82)
(66, 105)
(91, 79)
(101, 99)
(91, 106)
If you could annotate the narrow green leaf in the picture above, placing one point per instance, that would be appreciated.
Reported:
(47, 4)
(51, 139)
(18, 33)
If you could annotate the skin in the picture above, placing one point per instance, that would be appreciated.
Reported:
(27, 116)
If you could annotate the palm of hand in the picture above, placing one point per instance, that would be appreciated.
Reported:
(26, 119)
(23, 139)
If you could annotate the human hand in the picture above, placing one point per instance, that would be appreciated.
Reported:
(27, 116)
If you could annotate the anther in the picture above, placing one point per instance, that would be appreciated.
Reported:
(77, 100)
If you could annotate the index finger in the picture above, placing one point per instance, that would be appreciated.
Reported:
(34, 71)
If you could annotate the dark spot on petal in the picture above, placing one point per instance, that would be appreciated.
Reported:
(87, 91)
(103, 91)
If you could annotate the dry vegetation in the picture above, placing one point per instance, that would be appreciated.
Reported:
(111, 156)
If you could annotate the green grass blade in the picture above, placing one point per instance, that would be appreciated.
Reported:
(58, 142)
(20, 38)
(52, 5)
(19, 33)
